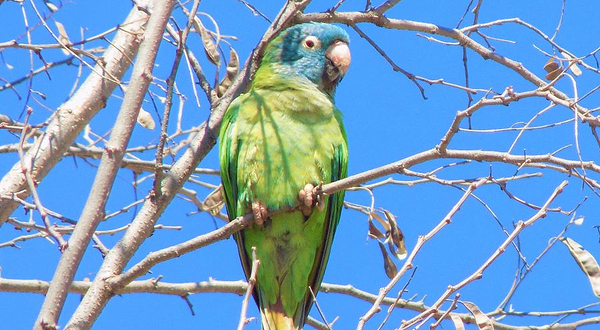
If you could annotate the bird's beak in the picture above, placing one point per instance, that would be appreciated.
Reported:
(339, 55)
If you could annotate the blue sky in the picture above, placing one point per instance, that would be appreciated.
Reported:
(386, 120)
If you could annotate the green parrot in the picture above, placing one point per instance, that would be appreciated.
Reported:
(278, 142)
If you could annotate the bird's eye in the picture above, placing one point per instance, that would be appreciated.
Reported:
(311, 42)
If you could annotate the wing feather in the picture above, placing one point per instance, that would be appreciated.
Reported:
(230, 145)
(339, 170)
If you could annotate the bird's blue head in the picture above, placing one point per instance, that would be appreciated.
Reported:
(316, 51)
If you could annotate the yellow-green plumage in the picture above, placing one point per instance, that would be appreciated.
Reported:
(284, 133)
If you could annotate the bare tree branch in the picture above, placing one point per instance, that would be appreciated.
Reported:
(73, 115)
(93, 212)
(240, 287)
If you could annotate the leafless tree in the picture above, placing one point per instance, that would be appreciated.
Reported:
(117, 66)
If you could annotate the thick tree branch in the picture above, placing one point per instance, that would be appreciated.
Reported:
(240, 287)
(536, 161)
(93, 211)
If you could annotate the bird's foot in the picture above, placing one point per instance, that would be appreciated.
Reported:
(259, 210)
(311, 197)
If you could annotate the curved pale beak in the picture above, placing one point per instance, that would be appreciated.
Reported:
(339, 55)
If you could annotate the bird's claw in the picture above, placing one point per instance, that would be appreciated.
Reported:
(259, 210)
(311, 197)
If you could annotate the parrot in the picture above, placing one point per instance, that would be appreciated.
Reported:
(279, 142)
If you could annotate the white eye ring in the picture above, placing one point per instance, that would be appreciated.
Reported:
(311, 42)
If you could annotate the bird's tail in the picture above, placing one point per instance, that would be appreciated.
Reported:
(274, 318)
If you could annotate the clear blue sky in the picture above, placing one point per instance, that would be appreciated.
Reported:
(386, 120)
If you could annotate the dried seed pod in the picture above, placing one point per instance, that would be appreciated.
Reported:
(586, 262)
(232, 70)
(214, 201)
(483, 322)
(553, 68)
(63, 36)
(573, 64)
(210, 48)
(390, 267)
(145, 119)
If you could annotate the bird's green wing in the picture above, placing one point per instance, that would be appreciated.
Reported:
(339, 170)
(228, 152)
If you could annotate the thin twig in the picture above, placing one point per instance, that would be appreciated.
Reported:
(27, 165)
(395, 67)
(249, 290)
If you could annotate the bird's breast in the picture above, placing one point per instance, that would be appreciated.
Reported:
(282, 151)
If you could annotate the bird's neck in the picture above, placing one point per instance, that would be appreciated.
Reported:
(281, 77)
